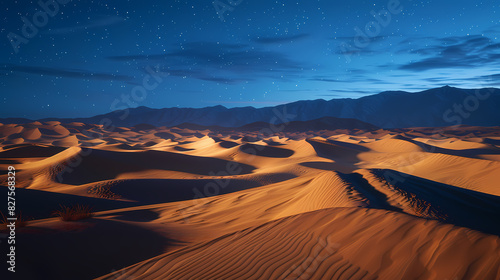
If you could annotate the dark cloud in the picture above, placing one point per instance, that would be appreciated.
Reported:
(455, 52)
(350, 79)
(486, 80)
(326, 79)
(59, 72)
(350, 39)
(492, 77)
(436, 80)
(280, 39)
(210, 61)
(221, 80)
(202, 51)
(492, 47)
(374, 81)
(198, 74)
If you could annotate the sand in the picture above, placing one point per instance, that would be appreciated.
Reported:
(172, 203)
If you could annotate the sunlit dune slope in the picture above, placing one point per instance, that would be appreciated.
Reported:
(335, 243)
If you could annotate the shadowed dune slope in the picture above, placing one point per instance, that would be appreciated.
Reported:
(101, 165)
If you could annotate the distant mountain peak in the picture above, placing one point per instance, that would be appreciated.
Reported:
(220, 107)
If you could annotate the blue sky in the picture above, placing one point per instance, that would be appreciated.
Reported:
(84, 58)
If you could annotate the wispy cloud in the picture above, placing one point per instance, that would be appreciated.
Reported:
(455, 52)
(354, 91)
(96, 23)
(349, 79)
(258, 103)
(487, 80)
(495, 29)
(326, 79)
(280, 39)
(222, 63)
(59, 72)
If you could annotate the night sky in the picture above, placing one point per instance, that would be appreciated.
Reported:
(84, 58)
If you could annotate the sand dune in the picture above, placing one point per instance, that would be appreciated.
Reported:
(189, 203)
(371, 244)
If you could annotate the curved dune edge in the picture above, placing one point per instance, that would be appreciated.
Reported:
(333, 244)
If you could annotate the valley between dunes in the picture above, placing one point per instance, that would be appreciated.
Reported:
(171, 203)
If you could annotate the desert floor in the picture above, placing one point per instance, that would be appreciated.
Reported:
(172, 203)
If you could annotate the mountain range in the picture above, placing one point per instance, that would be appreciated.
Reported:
(324, 123)
(444, 106)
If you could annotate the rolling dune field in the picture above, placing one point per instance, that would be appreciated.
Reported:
(179, 203)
